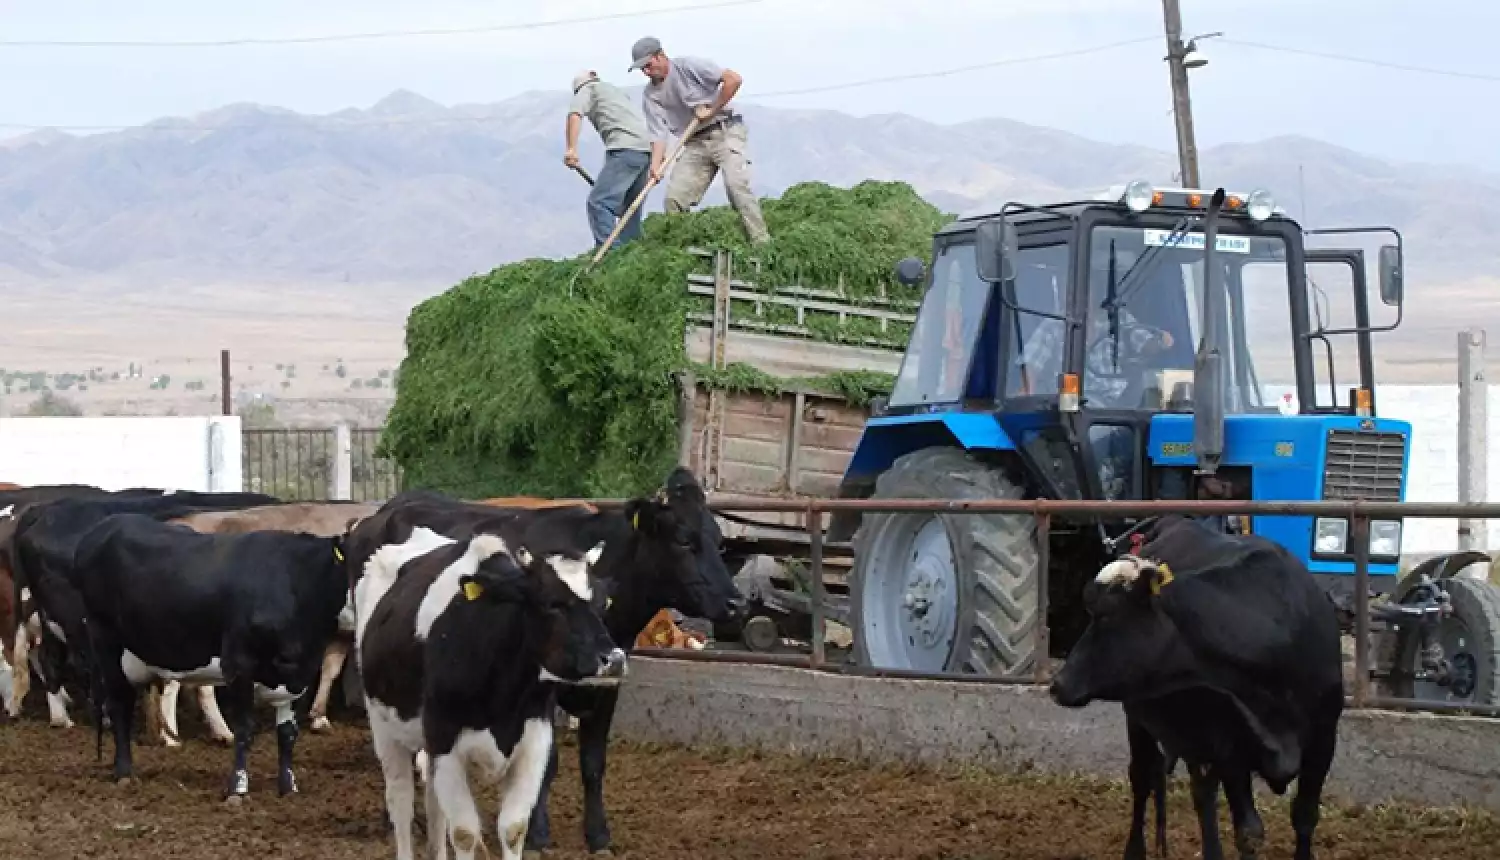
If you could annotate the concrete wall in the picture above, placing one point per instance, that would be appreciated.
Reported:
(1382, 756)
(201, 453)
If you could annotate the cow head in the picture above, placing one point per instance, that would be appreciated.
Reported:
(570, 638)
(1129, 641)
(677, 553)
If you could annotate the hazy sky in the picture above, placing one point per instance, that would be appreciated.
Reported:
(1121, 95)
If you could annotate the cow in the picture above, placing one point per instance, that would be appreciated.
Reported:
(1224, 651)
(159, 601)
(326, 519)
(661, 551)
(17, 509)
(459, 643)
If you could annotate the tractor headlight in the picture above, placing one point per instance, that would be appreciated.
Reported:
(1138, 195)
(1260, 205)
(1331, 537)
(1385, 538)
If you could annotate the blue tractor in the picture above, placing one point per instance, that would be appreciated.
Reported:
(1156, 343)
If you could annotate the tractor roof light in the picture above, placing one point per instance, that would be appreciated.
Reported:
(1068, 393)
(1260, 205)
(1138, 196)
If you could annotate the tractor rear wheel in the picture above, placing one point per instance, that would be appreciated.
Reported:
(945, 592)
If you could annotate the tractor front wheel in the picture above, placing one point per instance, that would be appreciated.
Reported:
(1470, 641)
(945, 592)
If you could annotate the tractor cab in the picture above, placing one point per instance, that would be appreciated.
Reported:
(1155, 343)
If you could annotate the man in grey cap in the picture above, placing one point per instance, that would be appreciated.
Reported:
(627, 154)
(679, 89)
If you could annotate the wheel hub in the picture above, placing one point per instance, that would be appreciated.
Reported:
(928, 587)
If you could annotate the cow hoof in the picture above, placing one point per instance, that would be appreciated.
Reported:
(125, 782)
(61, 724)
(234, 801)
(320, 725)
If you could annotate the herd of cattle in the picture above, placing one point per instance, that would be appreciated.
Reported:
(471, 622)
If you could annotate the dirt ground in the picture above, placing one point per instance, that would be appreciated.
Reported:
(57, 802)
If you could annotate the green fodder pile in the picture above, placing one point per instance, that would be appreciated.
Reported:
(511, 386)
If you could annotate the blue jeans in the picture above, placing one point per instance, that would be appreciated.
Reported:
(620, 181)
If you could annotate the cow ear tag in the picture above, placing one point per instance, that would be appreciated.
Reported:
(472, 590)
(338, 555)
(1161, 578)
(635, 520)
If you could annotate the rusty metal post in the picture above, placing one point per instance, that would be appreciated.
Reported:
(813, 522)
(226, 403)
(1359, 534)
(1043, 630)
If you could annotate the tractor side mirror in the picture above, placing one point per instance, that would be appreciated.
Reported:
(1390, 275)
(995, 250)
(911, 271)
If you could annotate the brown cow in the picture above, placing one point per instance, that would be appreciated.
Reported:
(325, 519)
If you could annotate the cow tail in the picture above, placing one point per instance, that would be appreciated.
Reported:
(95, 682)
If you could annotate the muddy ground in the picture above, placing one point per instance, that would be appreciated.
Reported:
(57, 802)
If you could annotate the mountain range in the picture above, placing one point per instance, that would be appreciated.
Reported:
(411, 192)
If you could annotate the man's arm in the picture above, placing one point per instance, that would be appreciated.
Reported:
(570, 154)
(729, 85)
(656, 127)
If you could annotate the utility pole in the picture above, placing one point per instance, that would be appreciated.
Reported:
(1182, 103)
(1473, 437)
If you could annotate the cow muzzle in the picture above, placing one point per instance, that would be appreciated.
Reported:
(1063, 694)
(611, 671)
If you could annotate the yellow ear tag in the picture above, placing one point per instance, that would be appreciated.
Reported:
(635, 521)
(472, 590)
(608, 601)
(338, 556)
(1161, 579)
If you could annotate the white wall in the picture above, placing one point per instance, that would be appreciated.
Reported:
(1433, 476)
(201, 453)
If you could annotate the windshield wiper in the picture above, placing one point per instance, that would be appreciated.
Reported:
(1112, 305)
(1147, 261)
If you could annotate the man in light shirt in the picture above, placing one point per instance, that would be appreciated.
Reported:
(627, 154)
(679, 89)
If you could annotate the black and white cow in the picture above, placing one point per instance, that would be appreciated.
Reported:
(459, 644)
(1225, 651)
(159, 601)
(57, 515)
(661, 551)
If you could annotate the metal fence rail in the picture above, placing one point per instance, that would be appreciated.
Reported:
(300, 464)
(1044, 510)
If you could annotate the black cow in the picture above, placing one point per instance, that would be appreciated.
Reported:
(1224, 650)
(160, 601)
(53, 518)
(659, 552)
(459, 644)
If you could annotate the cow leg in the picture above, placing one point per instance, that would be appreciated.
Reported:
(286, 741)
(240, 697)
(161, 712)
(437, 822)
(57, 709)
(1249, 832)
(1317, 758)
(333, 664)
(1205, 784)
(119, 705)
(522, 783)
(1146, 775)
(208, 703)
(539, 830)
(593, 740)
(400, 791)
(20, 669)
(451, 785)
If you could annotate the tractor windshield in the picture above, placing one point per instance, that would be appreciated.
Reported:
(936, 366)
(1145, 290)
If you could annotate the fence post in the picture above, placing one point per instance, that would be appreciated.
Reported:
(1473, 442)
(342, 483)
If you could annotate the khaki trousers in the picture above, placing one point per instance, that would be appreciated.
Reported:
(719, 149)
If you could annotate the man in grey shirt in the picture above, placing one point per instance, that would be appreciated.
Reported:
(680, 89)
(627, 154)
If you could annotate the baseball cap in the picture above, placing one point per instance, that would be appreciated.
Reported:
(582, 78)
(642, 51)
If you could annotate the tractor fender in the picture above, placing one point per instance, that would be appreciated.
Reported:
(889, 437)
(1445, 566)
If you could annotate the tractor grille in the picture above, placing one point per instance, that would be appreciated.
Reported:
(1363, 466)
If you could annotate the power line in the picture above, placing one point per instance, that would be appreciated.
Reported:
(168, 126)
(1035, 58)
(383, 34)
(1344, 58)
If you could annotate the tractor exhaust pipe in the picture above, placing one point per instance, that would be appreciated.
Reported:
(1208, 364)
